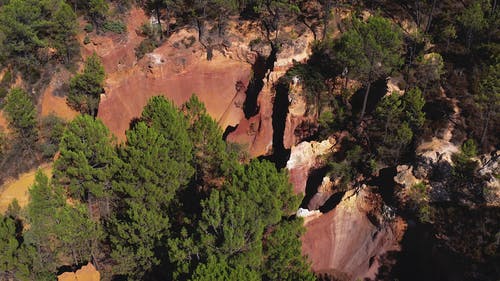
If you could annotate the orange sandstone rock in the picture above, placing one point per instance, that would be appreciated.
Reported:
(86, 273)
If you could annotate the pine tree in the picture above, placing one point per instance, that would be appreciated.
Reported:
(45, 201)
(8, 247)
(21, 114)
(396, 116)
(370, 50)
(283, 255)
(473, 21)
(87, 161)
(20, 24)
(219, 270)
(78, 235)
(148, 180)
(413, 103)
(488, 99)
(64, 29)
(233, 219)
(85, 88)
(163, 115)
(210, 154)
(97, 12)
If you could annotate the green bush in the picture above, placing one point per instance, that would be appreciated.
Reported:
(147, 46)
(147, 30)
(86, 40)
(418, 195)
(463, 166)
(115, 26)
(469, 148)
(88, 28)
(255, 42)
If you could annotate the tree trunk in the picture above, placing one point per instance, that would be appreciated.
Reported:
(485, 129)
(469, 39)
(365, 100)
(157, 10)
(417, 11)
(108, 208)
(430, 17)
(167, 27)
(326, 19)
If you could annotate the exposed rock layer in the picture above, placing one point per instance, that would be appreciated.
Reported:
(86, 273)
(349, 241)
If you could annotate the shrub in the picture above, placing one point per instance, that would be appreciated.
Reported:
(419, 201)
(255, 42)
(463, 166)
(469, 148)
(88, 28)
(147, 46)
(52, 129)
(188, 41)
(115, 26)
(86, 40)
(147, 30)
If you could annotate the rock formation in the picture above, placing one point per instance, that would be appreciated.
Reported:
(86, 273)
(303, 157)
(348, 242)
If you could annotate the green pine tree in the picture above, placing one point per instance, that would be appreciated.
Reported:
(147, 181)
(85, 88)
(87, 162)
(64, 30)
(164, 116)
(370, 50)
(283, 255)
(21, 114)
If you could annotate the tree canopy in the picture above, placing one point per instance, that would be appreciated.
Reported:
(85, 88)
(370, 50)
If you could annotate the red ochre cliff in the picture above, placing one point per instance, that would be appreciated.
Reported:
(343, 242)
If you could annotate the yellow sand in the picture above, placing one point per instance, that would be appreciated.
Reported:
(18, 188)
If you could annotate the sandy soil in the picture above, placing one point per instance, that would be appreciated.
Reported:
(52, 104)
(18, 188)
(3, 122)
(86, 273)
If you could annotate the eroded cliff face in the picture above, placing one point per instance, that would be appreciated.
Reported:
(349, 242)
(175, 70)
(256, 131)
(304, 157)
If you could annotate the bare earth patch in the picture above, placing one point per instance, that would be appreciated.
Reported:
(18, 188)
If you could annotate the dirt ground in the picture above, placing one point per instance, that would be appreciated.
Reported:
(18, 188)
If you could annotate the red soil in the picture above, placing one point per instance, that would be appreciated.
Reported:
(214, 82)
(345, 243)
(171, 70)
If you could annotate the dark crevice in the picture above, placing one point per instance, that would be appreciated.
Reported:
(228, 130)
(261, 66)
(385, 185)
(314, 180)
(378, 90)
(332, 202)
(280, 110)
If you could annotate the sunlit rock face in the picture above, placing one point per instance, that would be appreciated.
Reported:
(303, 158)
(86, 273)
(349, 242)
